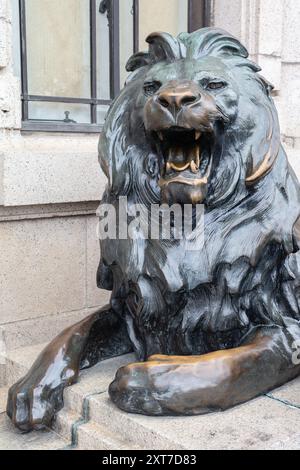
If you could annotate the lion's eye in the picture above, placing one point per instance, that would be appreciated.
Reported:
(216, 85)
(151, 87)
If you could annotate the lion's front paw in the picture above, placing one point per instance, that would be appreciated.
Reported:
(32, 407)
(133, 390)
(173, 385)
(150, 388)
(137, 388)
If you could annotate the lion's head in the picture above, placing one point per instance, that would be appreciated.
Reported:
(194, 123)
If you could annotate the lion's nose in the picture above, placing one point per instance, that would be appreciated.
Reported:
(171, 98)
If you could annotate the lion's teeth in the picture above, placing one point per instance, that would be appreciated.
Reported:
(160, 135)
(198, 157)
(197, 135)
(194, 167)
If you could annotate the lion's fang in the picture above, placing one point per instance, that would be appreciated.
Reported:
(194, 167)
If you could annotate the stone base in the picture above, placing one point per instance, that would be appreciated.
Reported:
(90, 421)
(268, 422)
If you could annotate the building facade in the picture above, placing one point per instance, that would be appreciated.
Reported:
(61, 62)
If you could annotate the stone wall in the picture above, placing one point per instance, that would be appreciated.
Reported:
(50, 186)
(271, 31)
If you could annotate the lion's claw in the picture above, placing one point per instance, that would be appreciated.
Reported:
(32, 407)
(131, 392)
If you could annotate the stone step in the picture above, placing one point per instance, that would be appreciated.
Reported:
(84, 434)
(3, 379)
(133, 428)
(19, 361)
(91, 436)
(2, 358)
(268, 422)
(3, 399)
(91, 420)
(65, 424)
(11, 439)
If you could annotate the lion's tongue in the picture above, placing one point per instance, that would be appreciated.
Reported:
(183, 158)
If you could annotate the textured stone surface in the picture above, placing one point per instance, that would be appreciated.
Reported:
(40, 329)
(3, 379)
(42, 172)
(271, 69)
(227, 15)
(271, 31)
(263, 423)
(3, 398)
(271, 13)
(290, 96)
(10, 109)
(48, 211)
(10, 439)
(43, 267)
(260, 424)
(64, 423)
(19, 361)
(3, 43)
(91, 436)
(294, 159)
(291, 33)
(289, 393)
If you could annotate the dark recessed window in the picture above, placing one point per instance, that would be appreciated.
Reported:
(73, 54)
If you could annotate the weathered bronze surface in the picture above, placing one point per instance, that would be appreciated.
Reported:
(212, 327)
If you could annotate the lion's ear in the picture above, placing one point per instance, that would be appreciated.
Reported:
(136, 61)
(163, 46)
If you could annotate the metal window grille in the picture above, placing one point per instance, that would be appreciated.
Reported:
(198, 16)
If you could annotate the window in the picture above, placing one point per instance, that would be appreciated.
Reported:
(73, 54)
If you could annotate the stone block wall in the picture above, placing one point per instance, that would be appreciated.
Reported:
(50, 187)
(271, 31)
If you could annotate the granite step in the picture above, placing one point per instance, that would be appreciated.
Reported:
(3, 399)
(89, 419)
(11, 439)
(19, 361)
(267, 422)
(91, 436)
(3, 379)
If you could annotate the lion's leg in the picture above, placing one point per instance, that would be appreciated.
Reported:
(171, 385)
(34, 400)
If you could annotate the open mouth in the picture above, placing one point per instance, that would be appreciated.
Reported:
(186, 156)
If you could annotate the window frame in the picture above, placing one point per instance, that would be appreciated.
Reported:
(198, 16)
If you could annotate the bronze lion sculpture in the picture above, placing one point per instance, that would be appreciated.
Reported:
(215, 326)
